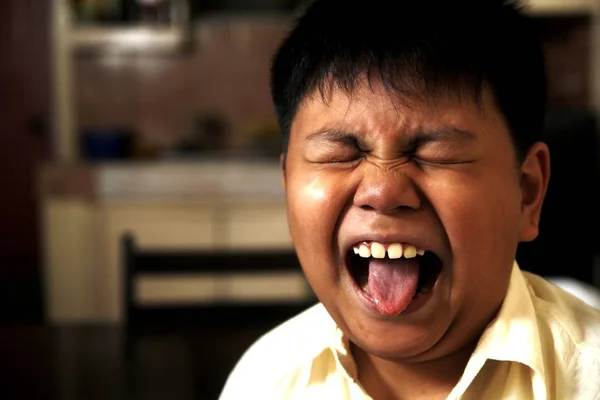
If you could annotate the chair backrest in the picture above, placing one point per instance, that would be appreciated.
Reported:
(139, 262)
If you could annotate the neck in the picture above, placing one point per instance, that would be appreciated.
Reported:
(393, 379)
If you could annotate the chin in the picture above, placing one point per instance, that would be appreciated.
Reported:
(414, 338)
(409, 343)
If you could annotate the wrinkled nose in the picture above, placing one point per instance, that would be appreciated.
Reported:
(386, 191)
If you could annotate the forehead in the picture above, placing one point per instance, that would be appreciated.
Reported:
(374, 110)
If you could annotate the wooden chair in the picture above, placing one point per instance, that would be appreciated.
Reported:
(140, 319)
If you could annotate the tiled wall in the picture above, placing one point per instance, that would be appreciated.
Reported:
(228, 73)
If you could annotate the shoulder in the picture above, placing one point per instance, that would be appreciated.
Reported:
(569, 313)
(280, 355)
(571, 328)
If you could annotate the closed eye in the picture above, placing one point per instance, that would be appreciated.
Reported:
(440, 162)
(435, 151)
(334, 147)
(338, 154)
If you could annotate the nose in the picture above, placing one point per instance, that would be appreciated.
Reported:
(387, 191)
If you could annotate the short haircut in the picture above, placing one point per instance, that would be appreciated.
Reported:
(416, 48)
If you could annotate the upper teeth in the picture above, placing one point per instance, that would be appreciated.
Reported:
(393, 250)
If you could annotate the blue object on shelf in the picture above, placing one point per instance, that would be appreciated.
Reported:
(106, 144)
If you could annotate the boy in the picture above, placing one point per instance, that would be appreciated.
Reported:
(413, 167)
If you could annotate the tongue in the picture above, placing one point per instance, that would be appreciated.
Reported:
(393, 283)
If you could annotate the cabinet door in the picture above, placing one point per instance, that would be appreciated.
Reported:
(72, 254)
(257, 225)
(164, 226)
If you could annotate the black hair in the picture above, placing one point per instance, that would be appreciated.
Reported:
(416, 48)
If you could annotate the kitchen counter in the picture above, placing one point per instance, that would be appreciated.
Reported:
(163, 181)
(88, 209)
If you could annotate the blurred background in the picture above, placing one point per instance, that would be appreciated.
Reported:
(143, 232)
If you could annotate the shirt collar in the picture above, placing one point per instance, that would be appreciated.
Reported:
(514, 334)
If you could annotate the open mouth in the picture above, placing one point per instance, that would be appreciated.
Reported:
(392, 275)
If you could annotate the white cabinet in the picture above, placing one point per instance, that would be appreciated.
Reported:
(83, 247)
(169, 226)
(257, 225)
(72, 250)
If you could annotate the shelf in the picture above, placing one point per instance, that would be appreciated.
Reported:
(558, 8)
(130, 39)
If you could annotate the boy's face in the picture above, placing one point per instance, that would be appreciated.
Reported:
(439, 177)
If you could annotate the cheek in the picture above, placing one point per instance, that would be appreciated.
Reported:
(480, 214)
(315, 203)
(481, 219)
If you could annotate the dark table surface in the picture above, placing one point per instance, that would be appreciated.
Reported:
(86, 362)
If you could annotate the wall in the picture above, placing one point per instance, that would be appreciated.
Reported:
(567, 44)
(24, 101)
(228, 73)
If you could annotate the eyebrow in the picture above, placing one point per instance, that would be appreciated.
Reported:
(440, 134)
(334, 135)
(415, 139)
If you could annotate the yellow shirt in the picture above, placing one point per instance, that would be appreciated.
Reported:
(544, 344)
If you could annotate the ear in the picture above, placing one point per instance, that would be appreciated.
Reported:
(535, 175)
(282, 169)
